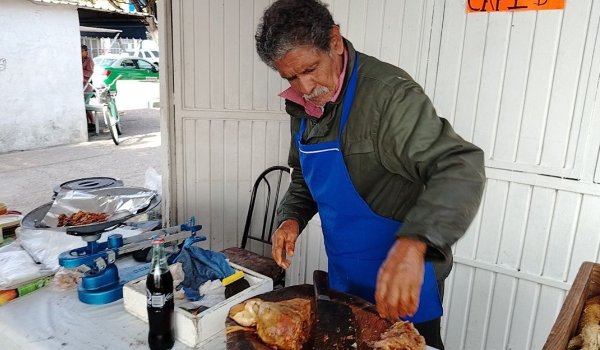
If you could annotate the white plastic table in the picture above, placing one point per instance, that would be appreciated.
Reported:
(47, 319)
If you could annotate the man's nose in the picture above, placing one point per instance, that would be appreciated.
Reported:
(305, 85)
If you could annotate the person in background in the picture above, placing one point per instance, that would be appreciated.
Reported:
(88, 69)
(392, 182)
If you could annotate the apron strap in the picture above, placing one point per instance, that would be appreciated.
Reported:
(349, 98)
(302, 128)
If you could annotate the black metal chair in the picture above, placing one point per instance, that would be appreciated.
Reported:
(261, 263)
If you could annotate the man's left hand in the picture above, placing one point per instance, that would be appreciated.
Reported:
(400, 278)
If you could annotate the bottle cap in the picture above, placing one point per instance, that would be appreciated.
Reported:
(158, 240)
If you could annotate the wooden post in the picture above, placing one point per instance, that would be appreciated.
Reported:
(586, 285)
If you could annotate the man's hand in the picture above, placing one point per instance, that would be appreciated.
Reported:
(400, 278)
(284, 242)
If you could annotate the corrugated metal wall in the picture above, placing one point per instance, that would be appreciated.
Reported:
(523, 86)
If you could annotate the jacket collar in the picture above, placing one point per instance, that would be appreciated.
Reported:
(349, 67)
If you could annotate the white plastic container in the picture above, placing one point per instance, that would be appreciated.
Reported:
(195, 330)
(8, 220)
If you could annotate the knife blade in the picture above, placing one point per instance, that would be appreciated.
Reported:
(335, 322)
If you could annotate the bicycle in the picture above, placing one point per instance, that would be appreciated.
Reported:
(106, 105)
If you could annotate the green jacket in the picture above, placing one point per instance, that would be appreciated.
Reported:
(407, 163)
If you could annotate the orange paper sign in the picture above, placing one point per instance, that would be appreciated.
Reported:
(513, 5)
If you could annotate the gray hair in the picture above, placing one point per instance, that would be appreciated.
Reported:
(288, 24)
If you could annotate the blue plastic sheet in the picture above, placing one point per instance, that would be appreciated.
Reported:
(201, 265)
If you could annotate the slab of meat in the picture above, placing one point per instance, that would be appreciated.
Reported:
(284, 324)
(400, 336)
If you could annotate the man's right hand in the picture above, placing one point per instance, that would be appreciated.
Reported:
(284, 242)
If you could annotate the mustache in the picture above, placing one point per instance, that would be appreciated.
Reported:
(318, 91)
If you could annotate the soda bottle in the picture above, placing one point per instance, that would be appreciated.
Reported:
(160, 303)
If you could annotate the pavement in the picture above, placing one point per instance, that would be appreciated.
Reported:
(27, 178)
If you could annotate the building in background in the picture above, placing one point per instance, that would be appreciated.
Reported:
(40, 67)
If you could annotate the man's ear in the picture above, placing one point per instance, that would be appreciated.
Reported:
(337, 42)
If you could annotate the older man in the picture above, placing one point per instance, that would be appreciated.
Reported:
(394, 185)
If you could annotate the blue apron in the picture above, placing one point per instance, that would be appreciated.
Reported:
(357, 239)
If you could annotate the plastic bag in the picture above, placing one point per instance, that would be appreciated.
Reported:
(153, 180)
(46, 245)
(177, 273)
(212, 293)
(16, 267)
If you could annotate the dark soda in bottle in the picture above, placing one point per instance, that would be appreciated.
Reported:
(160, 303)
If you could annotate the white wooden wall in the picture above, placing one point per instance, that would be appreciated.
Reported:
(523, 86)
(229, 124)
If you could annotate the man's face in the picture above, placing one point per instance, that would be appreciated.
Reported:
(84, 53)
(313, 72)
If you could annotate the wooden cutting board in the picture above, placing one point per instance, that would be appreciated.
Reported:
(369, 324)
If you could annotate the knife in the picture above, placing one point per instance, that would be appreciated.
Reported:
(335, 321)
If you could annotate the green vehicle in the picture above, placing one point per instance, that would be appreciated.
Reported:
(108, 68)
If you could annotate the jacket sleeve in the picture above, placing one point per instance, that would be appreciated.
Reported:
(417, 144)
(297, 203)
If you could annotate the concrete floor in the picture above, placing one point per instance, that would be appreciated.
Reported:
(27, 178)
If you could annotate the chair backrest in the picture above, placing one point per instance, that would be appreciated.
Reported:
(269, 181)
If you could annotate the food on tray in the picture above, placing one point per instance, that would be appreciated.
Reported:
(287, 325)
(283, 324)
(81, 218)
(588, 330)
(400, 336)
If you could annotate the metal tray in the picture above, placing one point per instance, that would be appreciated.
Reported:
(33, 219)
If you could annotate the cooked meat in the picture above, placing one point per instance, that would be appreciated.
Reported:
(246, 313)
(588, 328)
(81, 218)
(284, 324)
(400, 336)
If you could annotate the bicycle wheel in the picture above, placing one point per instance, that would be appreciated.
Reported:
(110, 110)
(113, 105)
